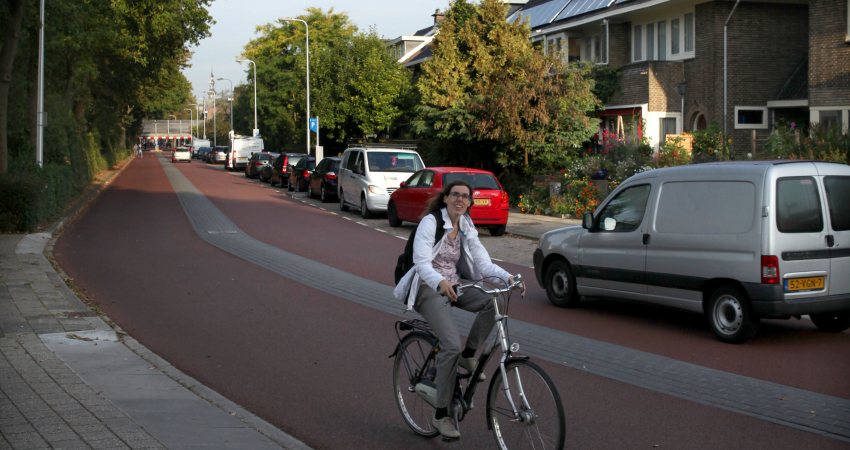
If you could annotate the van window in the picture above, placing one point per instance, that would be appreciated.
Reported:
(626, 210)
(837, 195)
(798, 208)
(706, 207)
(393, 162)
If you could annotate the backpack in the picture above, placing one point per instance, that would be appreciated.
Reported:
(405, 260)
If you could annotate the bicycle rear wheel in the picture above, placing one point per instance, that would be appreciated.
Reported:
(539, 422)
(410, 363)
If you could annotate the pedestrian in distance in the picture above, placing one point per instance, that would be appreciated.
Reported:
(429, 288)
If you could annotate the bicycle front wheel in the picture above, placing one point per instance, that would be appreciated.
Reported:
(524, 409)
(411, 366)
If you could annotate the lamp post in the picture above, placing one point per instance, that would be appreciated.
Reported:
(39, 132)
(168, 126)
(193, 123)
(307, 53)
(230, 98)
(190, 121)
(256, 128)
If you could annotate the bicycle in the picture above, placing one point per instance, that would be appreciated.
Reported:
(524, 409)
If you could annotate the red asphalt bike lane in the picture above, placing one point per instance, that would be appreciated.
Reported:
(312, 364)
(789, 352)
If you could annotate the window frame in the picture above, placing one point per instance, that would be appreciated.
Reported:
(663, 39)
(750, 126)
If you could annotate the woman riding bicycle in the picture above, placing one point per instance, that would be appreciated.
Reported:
(429, 289)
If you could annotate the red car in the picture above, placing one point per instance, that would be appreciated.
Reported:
(489, 201)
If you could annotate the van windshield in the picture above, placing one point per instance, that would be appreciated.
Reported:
(394, 162)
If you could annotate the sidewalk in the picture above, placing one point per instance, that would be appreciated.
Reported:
(69, 380)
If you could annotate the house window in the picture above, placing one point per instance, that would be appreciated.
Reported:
(829, 119)
(750, 117)
(667, 125)
(650, 41)
(555, 45)
(674, 37)
(637, 53)
(662, 40)
(689, 32)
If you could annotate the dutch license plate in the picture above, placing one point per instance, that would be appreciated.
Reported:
(481, 201)
(804, 284)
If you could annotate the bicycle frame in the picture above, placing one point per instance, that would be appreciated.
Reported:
(466, 395)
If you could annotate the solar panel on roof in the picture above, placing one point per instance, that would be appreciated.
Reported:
(578, 7)
(541, 13)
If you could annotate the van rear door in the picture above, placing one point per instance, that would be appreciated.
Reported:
(836, 183)
(800, 239)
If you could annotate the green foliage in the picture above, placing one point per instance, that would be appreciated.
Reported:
(708, 144)
(109, 65)
(822, 143)
(606, 81)
(356, 87)
(673, 153)
(488, 88)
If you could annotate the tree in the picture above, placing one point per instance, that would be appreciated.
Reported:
(15, 16)
(487, 86)
(355, 85)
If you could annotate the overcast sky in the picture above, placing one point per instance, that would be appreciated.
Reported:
(236, 21)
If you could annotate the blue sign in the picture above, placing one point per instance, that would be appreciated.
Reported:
(314, 124)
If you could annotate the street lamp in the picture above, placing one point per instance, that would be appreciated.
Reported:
(231, 105)
(168, 126)
(195, 122)
(190, 121)
(256, 128)
(307, 53)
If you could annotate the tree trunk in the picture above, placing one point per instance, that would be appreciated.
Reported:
(7, 58)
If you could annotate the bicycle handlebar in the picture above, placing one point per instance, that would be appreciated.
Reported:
(495, 291)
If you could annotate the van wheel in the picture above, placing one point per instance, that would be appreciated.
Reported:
(730, 316)
(342, 205)
(835, 322)
(364, 210)
(392, 216)
(561, 285)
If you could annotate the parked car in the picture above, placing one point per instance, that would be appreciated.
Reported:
(242, 147)
(324, 179)
(257, 162)
(489, 206)
(279, 170)
(299, 174)
(219, 154)
(202, 153)
(181, 154)
(368, 175)
(736, 241)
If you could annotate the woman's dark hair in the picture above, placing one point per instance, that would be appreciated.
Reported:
(437, 202)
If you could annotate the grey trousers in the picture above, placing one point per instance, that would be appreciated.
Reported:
(436, 309)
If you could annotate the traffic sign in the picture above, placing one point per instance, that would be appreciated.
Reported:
(314, 124)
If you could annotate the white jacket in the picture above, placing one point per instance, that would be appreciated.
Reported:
(475, 262)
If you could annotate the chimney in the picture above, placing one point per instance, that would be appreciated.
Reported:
(438, 16)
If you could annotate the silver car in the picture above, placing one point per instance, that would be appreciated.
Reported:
(736, 241)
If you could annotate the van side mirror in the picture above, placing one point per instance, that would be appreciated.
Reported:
(587, 221)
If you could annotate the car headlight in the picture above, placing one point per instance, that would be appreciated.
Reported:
(375, 190)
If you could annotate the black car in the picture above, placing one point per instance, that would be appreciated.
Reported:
(202, 153)
(278, 172)
(257, 162)
(323, 180)
(299, 174)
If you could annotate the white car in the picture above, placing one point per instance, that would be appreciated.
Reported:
(181, 154)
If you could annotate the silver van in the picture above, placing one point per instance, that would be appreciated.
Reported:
(737, 241)
(368, 174)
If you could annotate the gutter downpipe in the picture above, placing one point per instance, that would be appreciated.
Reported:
(725, 72)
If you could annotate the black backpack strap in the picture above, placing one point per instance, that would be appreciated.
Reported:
(438, 233)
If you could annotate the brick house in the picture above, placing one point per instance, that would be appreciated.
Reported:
(685, 64)
(782, 60)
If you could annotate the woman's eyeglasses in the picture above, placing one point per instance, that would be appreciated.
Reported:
(459, 195)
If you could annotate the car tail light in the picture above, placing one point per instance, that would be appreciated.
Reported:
(330, 176)
(769, 269)
(306, 173)
(505, 198)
